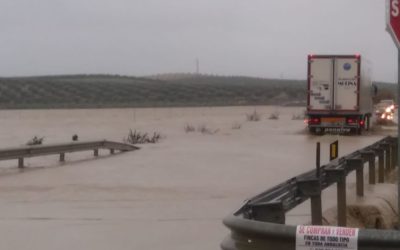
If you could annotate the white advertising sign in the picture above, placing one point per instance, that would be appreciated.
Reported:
(326, 238)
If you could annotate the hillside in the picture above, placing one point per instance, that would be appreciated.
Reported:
(95, 91)
(100, 91)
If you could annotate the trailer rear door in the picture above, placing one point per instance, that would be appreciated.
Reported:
(346, 84)
(320, 83)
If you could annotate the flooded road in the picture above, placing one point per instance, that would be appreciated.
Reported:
(167, 196)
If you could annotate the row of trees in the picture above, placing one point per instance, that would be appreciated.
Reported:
(86, 91)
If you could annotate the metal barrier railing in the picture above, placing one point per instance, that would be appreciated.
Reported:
(61, 149)
(260, 222)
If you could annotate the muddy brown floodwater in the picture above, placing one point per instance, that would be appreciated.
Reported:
(167, 196)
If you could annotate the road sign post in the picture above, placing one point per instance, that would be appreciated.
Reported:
(398, 134)
(393, 27)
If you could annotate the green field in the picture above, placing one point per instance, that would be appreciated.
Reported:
(111, 91)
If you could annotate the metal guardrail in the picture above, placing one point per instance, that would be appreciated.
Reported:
(39, 150)
(260, 222)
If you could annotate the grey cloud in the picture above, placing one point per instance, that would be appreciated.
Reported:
(256, 38)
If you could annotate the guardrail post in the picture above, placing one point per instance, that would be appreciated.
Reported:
(268, 211)
(312, 188)
(395, 148)
(386, 147)
(370, 157)
(62, 157)
(339, 176)
(96, 152)
(358, 165)
(112, 151)
(381, 167)
(21, 163)
(393, 153)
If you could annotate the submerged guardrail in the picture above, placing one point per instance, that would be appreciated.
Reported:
(260, 222)
(39, 150)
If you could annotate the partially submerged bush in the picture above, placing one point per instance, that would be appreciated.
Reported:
(253, 116)
(205, 130)
(35, 141)
(189, 128)
(137, 137)
(201, 128)
(274, 116)
(236, 125)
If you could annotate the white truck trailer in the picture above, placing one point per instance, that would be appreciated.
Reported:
(339, 94)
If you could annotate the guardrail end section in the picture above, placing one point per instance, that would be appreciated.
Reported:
(268, 211)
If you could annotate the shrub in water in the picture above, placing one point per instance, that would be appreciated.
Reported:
(189, 128)
(35, 141)
(274, 116)
(136, 137)
(253, 116)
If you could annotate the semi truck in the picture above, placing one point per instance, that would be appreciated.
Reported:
(339, 94)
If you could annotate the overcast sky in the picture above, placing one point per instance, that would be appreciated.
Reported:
(261, 38)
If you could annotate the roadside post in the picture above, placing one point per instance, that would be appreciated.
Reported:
(393, 27)
(318, 160)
